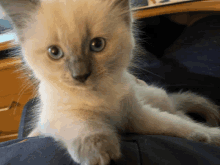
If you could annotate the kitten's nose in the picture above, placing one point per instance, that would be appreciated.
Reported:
(81, 78)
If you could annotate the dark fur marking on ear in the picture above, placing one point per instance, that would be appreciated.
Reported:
(126, 9)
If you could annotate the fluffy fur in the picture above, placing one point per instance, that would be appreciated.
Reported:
(89, 117)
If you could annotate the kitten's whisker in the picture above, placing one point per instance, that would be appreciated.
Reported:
(145, 70)
(20, 94)
(25, 86)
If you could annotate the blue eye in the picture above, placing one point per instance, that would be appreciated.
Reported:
(55, 52)
(97, 44)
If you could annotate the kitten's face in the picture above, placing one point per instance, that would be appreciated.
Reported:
(71, 38)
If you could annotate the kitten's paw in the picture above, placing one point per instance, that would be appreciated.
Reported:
(209, 135)
(96, 149)
(215, 136)
(199, 137)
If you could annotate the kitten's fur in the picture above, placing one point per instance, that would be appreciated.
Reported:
(88, 117)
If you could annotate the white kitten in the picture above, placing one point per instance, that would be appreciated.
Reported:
(80, 50)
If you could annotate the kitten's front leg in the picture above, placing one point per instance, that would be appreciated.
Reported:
(92, 144)
(88, 142)
(148, 120)
(97, 149)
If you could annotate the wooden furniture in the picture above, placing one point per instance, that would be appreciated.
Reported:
(15, 91)
(178, 6)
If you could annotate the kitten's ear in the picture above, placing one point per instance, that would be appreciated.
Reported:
(123, 3)
(19, 10)
(125, 7)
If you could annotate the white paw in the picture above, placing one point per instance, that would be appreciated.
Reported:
(208, 135)
(215, 136)
(199, 136)
(96, 149)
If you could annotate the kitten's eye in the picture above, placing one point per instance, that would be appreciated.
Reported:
(55, 52)
(97, 44)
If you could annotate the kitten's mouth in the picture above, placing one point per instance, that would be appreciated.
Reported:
(77, 85)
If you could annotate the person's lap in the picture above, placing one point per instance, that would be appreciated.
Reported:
(136, 149)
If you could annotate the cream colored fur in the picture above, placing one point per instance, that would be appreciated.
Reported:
(89, 117)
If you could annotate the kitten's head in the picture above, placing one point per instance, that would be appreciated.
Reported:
(75, 42)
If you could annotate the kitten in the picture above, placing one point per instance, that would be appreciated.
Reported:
(80, 50)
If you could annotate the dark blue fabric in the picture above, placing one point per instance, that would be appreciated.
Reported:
(27, 117)
(136, 150)
(166, 150)
(191, 63)
(35, 151)
(199, 52)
